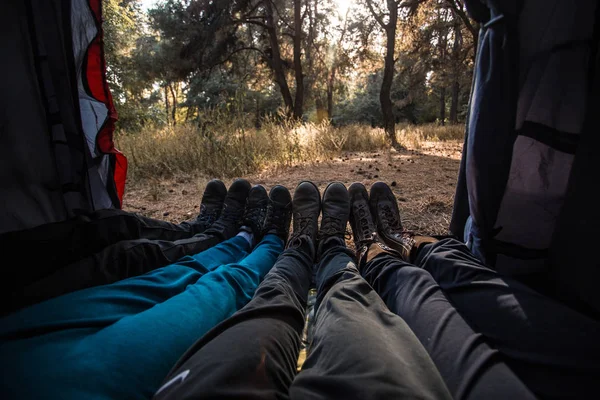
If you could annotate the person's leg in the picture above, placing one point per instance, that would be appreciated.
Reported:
(129, 358)
(119, 261)
(69, 241)
(471, 368)
(360, 350)
(130, 296)
(107, 304)
(551, 347)
(468, 365)
(253, 354)
(125, 259)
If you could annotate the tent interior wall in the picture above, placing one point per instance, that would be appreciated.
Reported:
(53, 163)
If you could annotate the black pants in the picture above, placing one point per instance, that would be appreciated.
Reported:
(553, 349)
(90, 250)
(359, 350)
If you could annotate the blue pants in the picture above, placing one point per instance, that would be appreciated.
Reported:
(121, 340)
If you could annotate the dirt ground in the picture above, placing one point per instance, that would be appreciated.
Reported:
(423, 180)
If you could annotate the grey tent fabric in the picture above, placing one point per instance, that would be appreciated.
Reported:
(51, 165)
(37, 120)
(574, 266)
(519, 151)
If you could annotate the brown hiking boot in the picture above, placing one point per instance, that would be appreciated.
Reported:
(384, 208)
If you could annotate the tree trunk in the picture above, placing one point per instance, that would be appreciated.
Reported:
(174, 108)
(442, 46)
(167, 103)
(312, 10)
(276, 62)
(472, 26)
(454, 102)
(443, 106)
(257, 123)
(456, 69)
(330, 83)
(299, 100)
(387, 109)
(334, 67)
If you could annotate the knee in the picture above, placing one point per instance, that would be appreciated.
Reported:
(413, 275)
(394, 273)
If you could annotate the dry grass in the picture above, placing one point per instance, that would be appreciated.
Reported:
(170, 167)
(413, 137)
(226, 147)
(222, 145)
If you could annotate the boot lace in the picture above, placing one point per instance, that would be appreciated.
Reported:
(304, 224)
(278, 218)
(333, 226)
(229, 215)
(366, 229)
(207, 218)
(391, 219)
(254, 216)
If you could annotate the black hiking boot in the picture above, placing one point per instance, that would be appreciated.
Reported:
(384, 207)
(211, 204)
(255, 213)
(233, 209)
(336, 209)
(364, 229)
(306, 207)
(279, 214)
(363, 226)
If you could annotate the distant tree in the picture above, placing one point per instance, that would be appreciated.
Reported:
(387, 18)
(383, 62)
(283, 34)
(132, 91)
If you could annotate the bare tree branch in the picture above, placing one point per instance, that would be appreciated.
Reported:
(287, 24)
(234, 52)
(377, 16)
(462, 15)
(251, 21)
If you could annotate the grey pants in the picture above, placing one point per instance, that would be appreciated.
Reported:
(553, 349)
(360, 350)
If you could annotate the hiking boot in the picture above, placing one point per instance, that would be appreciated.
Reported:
(363, 226)
(211, 205)
(306, 207)
(279, 214)
(384, 207)
(233, 209)
(255, 213)
(335, 209)
(364, 230)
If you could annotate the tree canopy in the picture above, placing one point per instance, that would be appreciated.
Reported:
(378, 62)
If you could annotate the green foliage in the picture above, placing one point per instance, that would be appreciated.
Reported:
(180, 60)
(135, 101)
